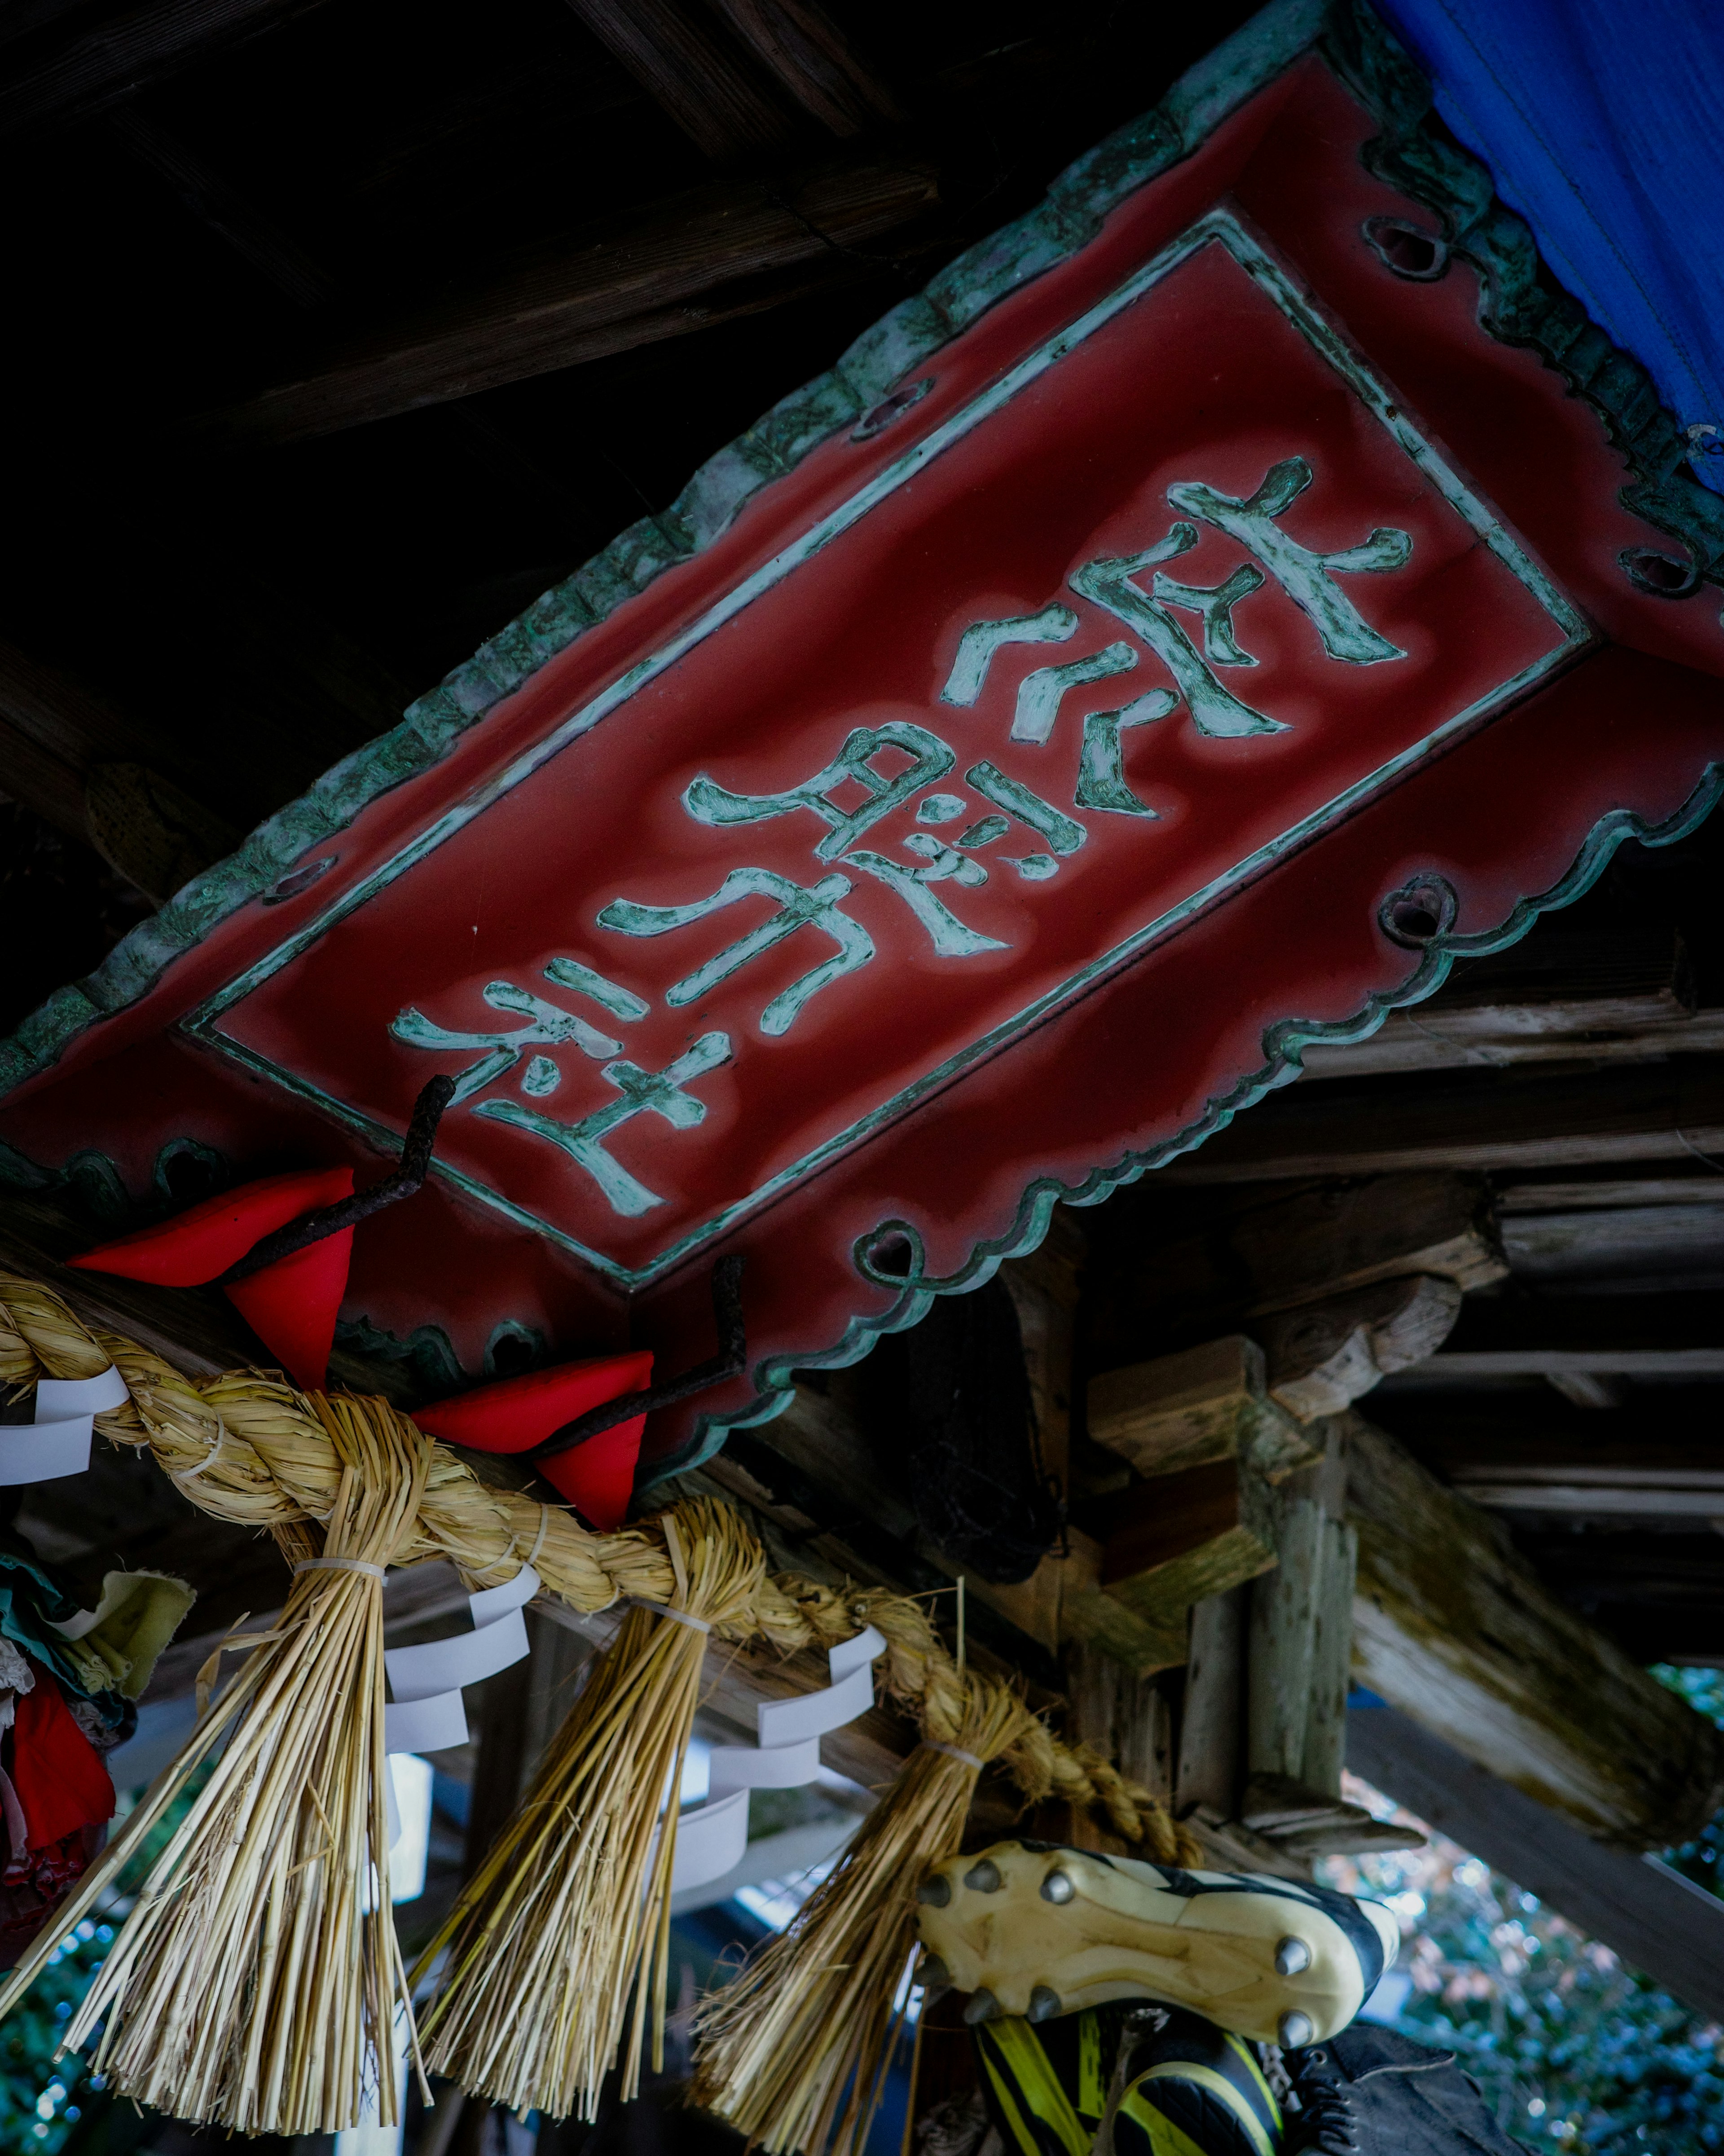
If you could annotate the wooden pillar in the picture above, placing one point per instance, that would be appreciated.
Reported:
(1211, 1724)
(1301, 1633)
(1044, 1288)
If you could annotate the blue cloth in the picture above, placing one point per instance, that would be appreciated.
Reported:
(1603, 122)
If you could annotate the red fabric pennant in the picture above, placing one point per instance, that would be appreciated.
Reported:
(61, 1782)
(597, 1478)
(196, 1245)
(291, 1306)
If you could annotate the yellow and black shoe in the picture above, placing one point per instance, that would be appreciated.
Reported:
(1193, 2090)
(1046, 2083)
(1189, 2089)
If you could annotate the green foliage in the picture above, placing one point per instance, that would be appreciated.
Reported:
(1702, 1859)
(1574, 2052)
(40, 2101)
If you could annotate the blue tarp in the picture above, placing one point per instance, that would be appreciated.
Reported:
(1603, 121)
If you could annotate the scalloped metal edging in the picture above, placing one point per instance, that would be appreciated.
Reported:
(1283, 1046)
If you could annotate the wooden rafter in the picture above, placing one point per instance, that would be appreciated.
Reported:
(631, 282)
(1511, 1120)
(121, 54)
(815, 62)
(1652, 1915)
(721, 100)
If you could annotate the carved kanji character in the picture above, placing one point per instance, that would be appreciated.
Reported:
(1306, 577)
(1039, 693)
(548, 1024)
(797, 908)
(980, 641)
(951, 937)
(659, 1091)
(1101, 777)
(1062, 833)
(1214, 709)
(930, 759)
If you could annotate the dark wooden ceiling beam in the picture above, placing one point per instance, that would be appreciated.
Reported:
(222, 209)
(720, 98)
(634, 281)
(125, 53)
(1507, 1120)
(44, 784)
(1620, 993)
(77, 762)
(815, 62)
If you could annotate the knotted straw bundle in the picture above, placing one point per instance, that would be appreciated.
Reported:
(249, 1987)
(568, 1919)
(793, 2052)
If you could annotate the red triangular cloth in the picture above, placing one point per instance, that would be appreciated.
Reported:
(291, 1305)
(597, 1478)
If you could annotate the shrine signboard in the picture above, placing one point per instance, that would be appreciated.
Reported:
(986, 810)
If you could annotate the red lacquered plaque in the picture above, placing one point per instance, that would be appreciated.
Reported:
(983, 815)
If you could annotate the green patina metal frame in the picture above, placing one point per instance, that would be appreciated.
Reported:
(1520, 303)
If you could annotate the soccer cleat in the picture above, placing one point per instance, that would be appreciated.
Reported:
(1179, 2087)
(1043, 1930)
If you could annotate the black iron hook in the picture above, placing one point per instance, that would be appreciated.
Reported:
(330, 1220)
(730, 1361)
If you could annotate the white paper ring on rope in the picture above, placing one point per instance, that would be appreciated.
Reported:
(426, 1714)
(712, 1839)
(57, 1441)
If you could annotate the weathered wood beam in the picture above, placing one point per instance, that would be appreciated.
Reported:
(718, 96)
(1187, 1538)
(1202, 1404)
(44, 784)
(1652, 1916)
(1611, 1193)
(1506, 1121)
(120, 54)
(68, 754)
(1621, 1243)
(1474, 1366)
(1324, 1356)
(631, 282)
(1258, 1252)
(1622, 991)
(1456, 1630)
(815, 62)
(220, 206)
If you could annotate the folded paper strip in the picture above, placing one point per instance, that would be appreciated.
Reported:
(711, 1840)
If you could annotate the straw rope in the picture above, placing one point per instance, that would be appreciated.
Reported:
(246, 1447)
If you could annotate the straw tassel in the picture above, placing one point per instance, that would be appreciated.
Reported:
(794, 2052)
(562, 1940)
(250, 1987)
(195, 1991)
